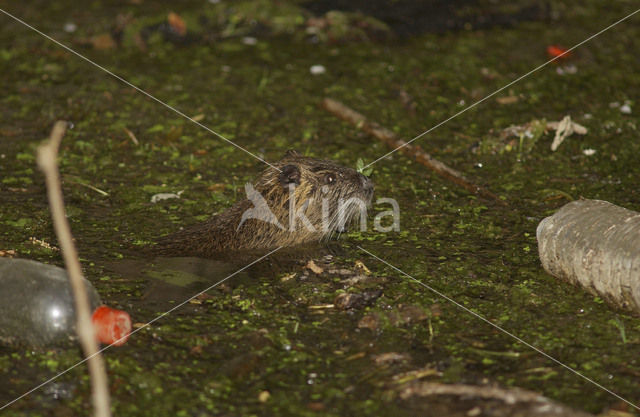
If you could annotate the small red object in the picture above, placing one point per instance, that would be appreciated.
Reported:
(556, 51)
(112, 326)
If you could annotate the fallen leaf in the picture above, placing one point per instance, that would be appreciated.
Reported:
(507, 99)
(370, 321)
(316, 406)
(216, 187)
(264, 396)
(102, 42)
(347, 301)
(361, 266)
(177, 24)
(288, 277)
(314, 268)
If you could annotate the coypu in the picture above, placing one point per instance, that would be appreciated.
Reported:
(326, 196)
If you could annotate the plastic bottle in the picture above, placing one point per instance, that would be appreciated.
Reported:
(37, 308)
(595, 244)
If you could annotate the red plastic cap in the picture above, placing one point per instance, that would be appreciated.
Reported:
(556, 51)
(112, 326)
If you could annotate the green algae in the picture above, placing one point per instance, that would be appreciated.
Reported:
(261, 334)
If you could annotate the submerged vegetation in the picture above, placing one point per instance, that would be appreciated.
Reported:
(284, 338)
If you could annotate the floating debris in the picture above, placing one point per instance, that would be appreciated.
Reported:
(507, 100)
(565, 128)
(43, 244)
(70, 27)
(515, 137)
(131, 136)
(249, 40)
(317, 69)
(165, 196)
(567, 69)
(595, 244)
(523, 137)
(177, 24)
(556, 51)
(313, 267)
(346, 301)
(391, 358)
(264, 396)
(10, 253)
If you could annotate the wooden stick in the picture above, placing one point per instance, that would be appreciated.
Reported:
(47, 161)
(414, 151)
(509, 397)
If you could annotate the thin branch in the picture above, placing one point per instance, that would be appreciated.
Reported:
(47, 161)
(414, 151)
(73, 179)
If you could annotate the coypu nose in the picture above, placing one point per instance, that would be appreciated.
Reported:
(367, 184)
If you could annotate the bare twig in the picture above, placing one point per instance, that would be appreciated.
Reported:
(73, 179)
(132, 136)
(509, 396)
(47, 161)
(413, 151)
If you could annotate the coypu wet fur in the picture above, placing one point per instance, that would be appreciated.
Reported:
(318, 187)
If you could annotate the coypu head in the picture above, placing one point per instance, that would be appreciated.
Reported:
(303, 200)
(320, 196)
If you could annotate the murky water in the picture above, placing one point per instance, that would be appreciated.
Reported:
(273, 339)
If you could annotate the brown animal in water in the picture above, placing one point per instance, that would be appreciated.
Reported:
(325, 196)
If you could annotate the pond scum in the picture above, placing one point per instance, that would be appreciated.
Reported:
(273, 339)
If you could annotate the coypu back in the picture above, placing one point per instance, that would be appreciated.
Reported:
(325, 197)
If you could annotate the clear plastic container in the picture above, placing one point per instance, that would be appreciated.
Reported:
(595, 244)
(37, 308)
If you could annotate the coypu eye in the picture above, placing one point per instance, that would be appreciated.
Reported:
(289, 174)
(330, 178)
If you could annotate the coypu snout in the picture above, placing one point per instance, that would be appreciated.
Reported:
(367, 185)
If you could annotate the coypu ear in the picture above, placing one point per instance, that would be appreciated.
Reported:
(291, 152)
(290, 174)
